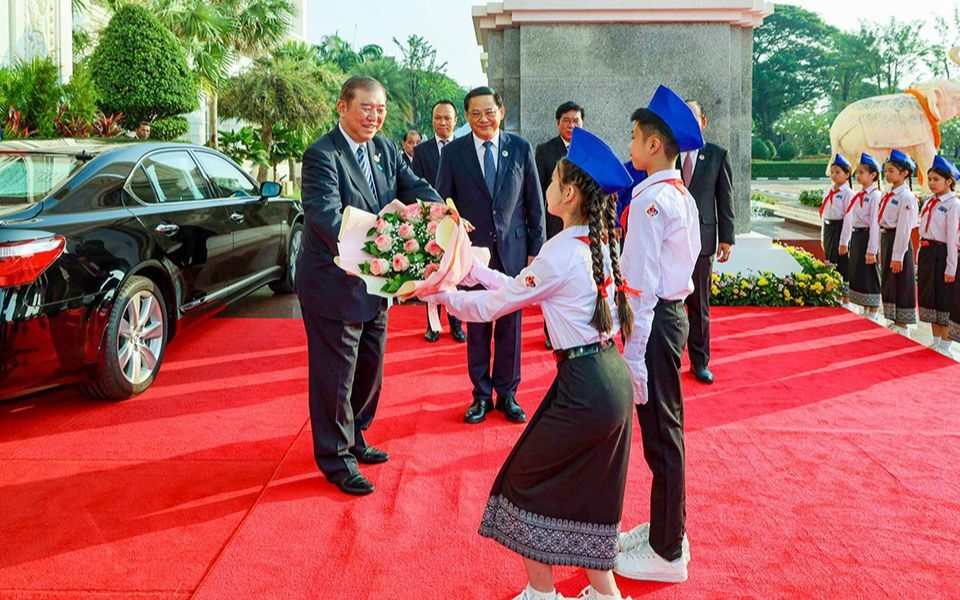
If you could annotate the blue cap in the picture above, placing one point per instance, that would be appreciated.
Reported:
(866, 159)
(670, 107)
(591, 154)
(840, 161)
(901, 157)
(940, 162)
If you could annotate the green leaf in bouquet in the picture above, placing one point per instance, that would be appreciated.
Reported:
(371, 248)
(365, 268)
(417, 257)
(372, 232)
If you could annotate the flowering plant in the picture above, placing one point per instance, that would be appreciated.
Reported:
(817, 284)
(407, 249)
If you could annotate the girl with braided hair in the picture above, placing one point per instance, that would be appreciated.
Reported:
(558, 498)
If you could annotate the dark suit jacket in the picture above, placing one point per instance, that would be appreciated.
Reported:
(426, 160)
(406, 159)
(511, 222)
(548, 155)
(711, 188)
(332, 180)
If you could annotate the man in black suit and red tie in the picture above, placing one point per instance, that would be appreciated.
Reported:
(491, 175)
(346, 327)
(426, 163)
(706, 173)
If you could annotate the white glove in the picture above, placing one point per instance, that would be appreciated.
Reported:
(639, 391)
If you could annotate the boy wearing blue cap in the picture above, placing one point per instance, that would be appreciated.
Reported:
(660, 251)
(833, 208)
(860, 238)
(897, 217)
(937, 261)
(558, 499)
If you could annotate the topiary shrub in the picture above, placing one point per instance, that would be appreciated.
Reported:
(171, 128)
(788, 151)
(140, 69)
(759, 150)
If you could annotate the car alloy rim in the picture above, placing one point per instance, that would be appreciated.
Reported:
(141, 337)
(294, 250)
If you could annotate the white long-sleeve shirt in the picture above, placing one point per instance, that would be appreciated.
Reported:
(835, 202)
(862, 213)
(560, 280)
(940, 222)
(659, 253)
(899, 212)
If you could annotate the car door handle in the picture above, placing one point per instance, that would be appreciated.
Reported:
(236, 217)
(168, 229)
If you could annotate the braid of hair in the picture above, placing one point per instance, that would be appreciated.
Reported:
(624, 310)
(602, 318)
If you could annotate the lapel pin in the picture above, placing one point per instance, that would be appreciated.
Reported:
(376, 158)
(505, 154)
(702, 157)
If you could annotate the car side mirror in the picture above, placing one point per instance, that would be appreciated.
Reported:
(269, 189)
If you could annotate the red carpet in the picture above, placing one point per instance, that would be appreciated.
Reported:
(824, 463)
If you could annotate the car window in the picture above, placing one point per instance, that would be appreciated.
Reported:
(226, 178)
(27, 178)
(175, 177)
(142, 187)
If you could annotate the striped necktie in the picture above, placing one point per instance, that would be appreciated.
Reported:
(365, 167)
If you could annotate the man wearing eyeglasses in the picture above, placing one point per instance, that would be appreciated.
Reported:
(491, 175)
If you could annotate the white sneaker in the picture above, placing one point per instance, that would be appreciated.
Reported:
(640, 534)
(525, 595)
(874, 316)
(589, 593)
(644, 563)
(934, 346)
(848, 306)
(901, 330)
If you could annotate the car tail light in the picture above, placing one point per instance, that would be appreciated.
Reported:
(23, 262)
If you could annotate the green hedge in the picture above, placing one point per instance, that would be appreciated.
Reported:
(773, 169)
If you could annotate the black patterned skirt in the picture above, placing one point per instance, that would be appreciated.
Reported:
(831, 248)
(899, 290)
(864, 278)
(936, 295)
(954, 323)
(558, 499)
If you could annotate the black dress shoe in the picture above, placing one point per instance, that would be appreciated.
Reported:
(431, 335)
(702, 374)
(511, 409)
(457, 332)
(371, 456)
(548, 343)
(478, 411)
(356, 485)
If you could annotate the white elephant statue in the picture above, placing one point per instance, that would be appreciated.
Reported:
(879, 124)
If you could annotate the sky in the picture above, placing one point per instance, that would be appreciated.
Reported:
(448, 26)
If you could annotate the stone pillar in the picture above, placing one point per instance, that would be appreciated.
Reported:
(611, 57)
(31, 28)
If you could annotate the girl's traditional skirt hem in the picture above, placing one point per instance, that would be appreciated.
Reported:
(831, 249)
(936, 295)
(864, 278)
(899, 290)
(954, 321)
(558, 499)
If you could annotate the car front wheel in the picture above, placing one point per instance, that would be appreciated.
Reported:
(136, 339)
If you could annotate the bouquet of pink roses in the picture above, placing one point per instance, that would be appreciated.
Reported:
(407, 249)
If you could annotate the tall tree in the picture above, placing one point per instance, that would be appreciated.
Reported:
(790, 64)
(420, 62)
(336, 50)
(948, 36)
(901, 48)
(393, 78)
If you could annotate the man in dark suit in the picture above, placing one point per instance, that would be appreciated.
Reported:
(492, 177)
(569, 115)
(410, 140)
(426, 163)
(707, 175)
(346, 327)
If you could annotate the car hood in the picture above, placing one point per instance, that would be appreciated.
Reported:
(19, 212)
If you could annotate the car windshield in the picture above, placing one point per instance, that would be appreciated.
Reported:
(27, 178)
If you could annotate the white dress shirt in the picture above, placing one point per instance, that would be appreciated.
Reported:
(560, 280)
(862, 213)
(659, 253)
(479, 142)
(440, 145)
(899, 212)
(353, 145)
(835, 209)
(940, 221)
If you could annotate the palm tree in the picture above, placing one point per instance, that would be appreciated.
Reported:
(394, 81)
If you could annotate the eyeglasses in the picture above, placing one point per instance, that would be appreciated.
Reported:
(489, 113)
(569, 121)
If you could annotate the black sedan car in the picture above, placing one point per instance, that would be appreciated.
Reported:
(108, 249)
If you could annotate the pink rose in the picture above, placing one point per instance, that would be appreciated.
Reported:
(434, 249)
(430, 270)
(437, 211)
(382, 226)
(413, 213)
(400, 262)
(411, 246)
(406, 231)
(379, 266)
(383, 242)
(432, 227)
